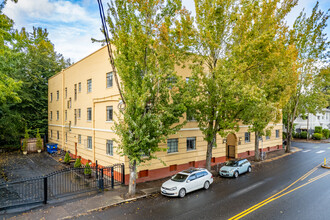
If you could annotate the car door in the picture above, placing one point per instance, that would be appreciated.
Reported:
(191, 183)
(200, 180)
(241, 167)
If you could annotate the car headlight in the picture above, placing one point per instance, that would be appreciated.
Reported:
(231, 171)
(173, 188)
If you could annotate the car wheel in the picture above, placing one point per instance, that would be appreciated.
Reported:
(182, 193)
(236, 174)
(206, 185)
(249, 169)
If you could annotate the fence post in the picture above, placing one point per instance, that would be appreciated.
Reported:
(122, 173)
(101, 180)
(112, 178)
(45, 189)
(96, 170)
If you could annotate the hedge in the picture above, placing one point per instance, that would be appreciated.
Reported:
(326, 133)
(317, 136)
(318, 129)
(303, 135)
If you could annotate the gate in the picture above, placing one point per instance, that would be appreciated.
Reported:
(66, 182)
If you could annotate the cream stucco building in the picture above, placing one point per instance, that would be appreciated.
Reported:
(83, 102)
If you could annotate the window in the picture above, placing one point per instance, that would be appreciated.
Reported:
(79, 87)
(66, 92)
(89, 114)
(51, 97)
(70, 102)
(51, 115)
(109, 79)
(318, 117)
(57, 95)
(171, 81)
(75, 91)
(267, 137)
(79, 113)
(277, 133)
(247, 137)
(191, 143)
(172, 145)
(109, 113)
(89, 85)
(110, 147)
(57, 115)
(58, 135)
(51, 133)
(79, 138)
(66, 115)
(66, 137)
(89, 142)
(190, 116)
(75, 116)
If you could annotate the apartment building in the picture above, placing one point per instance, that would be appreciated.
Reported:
(83, 105)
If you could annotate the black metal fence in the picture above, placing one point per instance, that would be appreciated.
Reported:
(58, 184)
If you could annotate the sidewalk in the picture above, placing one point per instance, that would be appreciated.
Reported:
(96, 201)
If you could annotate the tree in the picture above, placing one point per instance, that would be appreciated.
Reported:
(39, 141)
(310, 40)
(147, 38)
(272, 61)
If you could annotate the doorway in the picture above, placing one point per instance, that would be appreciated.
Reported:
(231, 146)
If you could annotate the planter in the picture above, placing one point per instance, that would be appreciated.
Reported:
(39, 151)
(24, 152)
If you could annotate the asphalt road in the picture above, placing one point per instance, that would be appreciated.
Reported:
(287, 188)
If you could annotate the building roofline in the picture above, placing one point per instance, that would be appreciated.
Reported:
(77, 62)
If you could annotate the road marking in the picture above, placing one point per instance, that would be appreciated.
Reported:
(317, 147)
(271, 198)
(305, 151)
(321, 151)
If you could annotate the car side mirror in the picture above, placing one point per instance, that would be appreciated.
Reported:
(188, 181)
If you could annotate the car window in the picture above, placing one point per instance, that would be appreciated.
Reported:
(179, 177)
(200, 174)
(192, 177)
(204, 173)
(231, 163)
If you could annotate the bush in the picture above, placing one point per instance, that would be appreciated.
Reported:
(77, 164)
(317, 136)
(326, 133)
(67, 158)
(88, 169)
(303, 135)
(39, 141)
(318, 129)
(25, 141)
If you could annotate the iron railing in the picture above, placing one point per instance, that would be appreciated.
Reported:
(65, 182)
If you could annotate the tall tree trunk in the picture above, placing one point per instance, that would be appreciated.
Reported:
(132, 178)
(289, 137)
(256, 146)
(210, 145)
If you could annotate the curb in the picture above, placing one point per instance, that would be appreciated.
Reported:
(278, 157)
(325, 166)
(105, 207)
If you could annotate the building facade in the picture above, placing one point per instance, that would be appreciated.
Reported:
(83, 105)
(311, 121)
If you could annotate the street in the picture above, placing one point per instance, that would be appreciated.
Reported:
(292, 187)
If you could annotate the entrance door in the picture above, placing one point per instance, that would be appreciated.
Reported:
(231, 151)
(231, 145)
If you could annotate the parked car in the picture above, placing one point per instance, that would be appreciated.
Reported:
(187, 181)
(233, 168)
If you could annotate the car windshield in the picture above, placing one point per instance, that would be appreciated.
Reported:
(179, 177)
(231, 163)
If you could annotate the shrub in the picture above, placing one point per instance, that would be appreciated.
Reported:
(88, 169)
(317, 136)
(25, 141)
(77, 164)
(39, 141)
(67, 158)
(318, 129)
(303, 135)
(326, 133)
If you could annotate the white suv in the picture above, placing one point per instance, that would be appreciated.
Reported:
(187, 181)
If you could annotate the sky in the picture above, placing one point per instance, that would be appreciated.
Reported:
(72, 23)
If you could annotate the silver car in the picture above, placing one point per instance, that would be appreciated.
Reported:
(233, 168)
